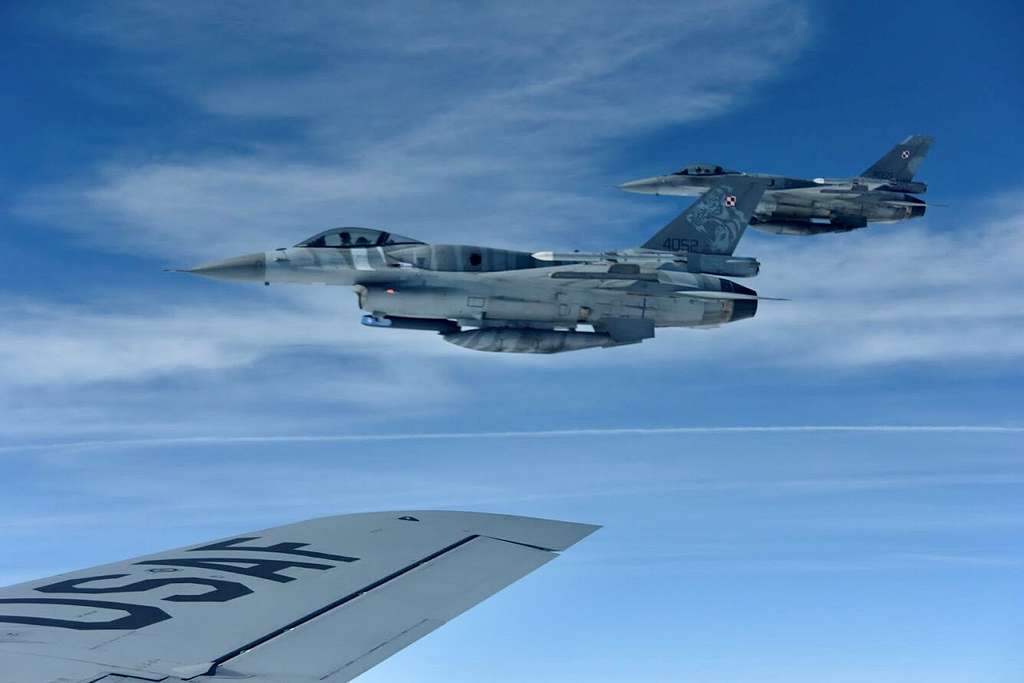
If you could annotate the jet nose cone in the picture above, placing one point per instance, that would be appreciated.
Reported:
(643, 186)
(248, 268)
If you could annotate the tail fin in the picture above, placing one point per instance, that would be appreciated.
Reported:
(715, 222)
(902, 161)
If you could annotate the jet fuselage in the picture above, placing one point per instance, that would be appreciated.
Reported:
(796, 206)
(516, 301)
(882, 193)
(515, 298)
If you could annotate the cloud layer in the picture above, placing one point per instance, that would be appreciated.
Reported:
(470, 122)
(496, 125)
(889, 295)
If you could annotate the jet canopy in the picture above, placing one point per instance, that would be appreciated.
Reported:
(345, 238)
(704, 169)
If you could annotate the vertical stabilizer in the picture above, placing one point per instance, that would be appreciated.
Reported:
(902, 161)
(715, 222)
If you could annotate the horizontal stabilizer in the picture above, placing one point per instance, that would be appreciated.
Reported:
(729, 296)
(912, 205)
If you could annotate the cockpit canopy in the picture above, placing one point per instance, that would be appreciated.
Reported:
(345, 238)
(704, 169)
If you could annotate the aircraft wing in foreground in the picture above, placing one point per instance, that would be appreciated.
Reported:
(321, 600)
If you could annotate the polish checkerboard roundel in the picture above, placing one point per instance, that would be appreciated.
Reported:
(730, 200)
(905, 154)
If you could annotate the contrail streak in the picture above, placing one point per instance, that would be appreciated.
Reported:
(219, 440)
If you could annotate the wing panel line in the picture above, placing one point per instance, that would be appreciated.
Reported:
(337, 603)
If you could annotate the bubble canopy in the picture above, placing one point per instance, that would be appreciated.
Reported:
(347, 238)
(704, 169)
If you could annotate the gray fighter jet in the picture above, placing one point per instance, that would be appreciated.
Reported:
(884, 193)
(520, 302)
(321, 600)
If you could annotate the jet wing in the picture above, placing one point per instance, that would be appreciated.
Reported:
(321, 600)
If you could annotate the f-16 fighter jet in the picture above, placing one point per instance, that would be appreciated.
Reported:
(321, 600)
(514, 301)
(884, 193)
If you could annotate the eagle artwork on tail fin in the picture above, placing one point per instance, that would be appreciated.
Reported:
(714, 216)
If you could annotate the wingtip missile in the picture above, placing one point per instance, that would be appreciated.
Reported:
(572, 256)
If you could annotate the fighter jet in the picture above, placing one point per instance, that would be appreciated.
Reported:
(321, 600)
(520, 302)
(884, 193)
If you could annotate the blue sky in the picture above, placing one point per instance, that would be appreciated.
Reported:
(147, 135)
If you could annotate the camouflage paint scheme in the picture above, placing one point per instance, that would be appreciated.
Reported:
(883, 193)
(513, 301)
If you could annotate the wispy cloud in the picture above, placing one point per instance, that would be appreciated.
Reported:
(495, 127)
(226, 440)
(884, 296)
(725, 514)
(483, 123)
(718, 561)
(493, 116)
(889, 297)
(899, 294)
(127, 340)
